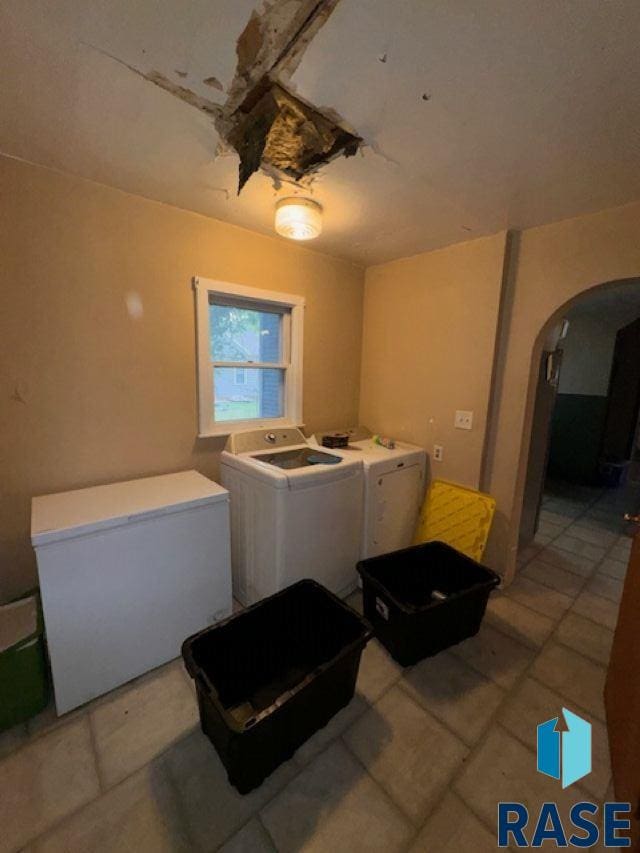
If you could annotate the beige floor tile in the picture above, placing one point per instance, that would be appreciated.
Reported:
(555, 518)
(494, 654)
(592, 533)
(573, 676)
(453, 828)
(355, 600)
(527, 553)
(596, 608)
(211, 807)
(558, 579)
(141, 722)
(575, 563)
(532, 704)
(454, 693)
(584, 636)
(334, 728)
(252, 838)
(12, 738)
(502, 769)
(541, 598)
(606, 586)
(548, 529)
(334, 805)
(526, 625)
(613, 568)
(45, 781)
(407, 751)
(621, 550)
(378, 671)
(580, 547)
(139, 814)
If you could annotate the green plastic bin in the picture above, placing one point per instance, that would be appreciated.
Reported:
(24, 683)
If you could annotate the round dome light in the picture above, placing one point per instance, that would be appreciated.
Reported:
(298, 218)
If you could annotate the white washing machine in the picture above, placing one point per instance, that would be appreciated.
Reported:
(394, 486)
(296, 512)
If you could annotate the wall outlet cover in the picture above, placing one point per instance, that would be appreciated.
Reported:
(463, 420)
(438, 452)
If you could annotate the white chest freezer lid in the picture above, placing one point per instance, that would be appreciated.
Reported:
(76, 513)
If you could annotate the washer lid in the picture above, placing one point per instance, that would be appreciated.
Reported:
(70, 514)
(291, 478)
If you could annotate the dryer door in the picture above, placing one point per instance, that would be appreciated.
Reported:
(394, 510)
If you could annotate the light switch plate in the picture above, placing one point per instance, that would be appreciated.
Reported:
(463, 420)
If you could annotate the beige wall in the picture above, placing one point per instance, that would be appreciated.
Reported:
(552, 266)
(429, 337)
(91, 395)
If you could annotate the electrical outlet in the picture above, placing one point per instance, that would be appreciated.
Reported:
(438, 452)
(463, 420)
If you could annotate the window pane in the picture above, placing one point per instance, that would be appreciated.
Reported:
(261, 395)
(244, 334)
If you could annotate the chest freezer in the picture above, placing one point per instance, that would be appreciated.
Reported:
(128, 571)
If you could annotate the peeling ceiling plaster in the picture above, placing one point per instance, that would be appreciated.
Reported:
(474, 117)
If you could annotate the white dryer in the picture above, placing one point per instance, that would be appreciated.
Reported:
(394, 486)
(296, 512)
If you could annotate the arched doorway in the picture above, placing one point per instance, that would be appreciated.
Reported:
(581, 415)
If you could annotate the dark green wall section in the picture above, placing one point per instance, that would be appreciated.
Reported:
(576, 435)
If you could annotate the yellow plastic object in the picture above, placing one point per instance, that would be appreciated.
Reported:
(456, 515)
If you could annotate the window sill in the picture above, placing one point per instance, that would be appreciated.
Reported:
(226, 429)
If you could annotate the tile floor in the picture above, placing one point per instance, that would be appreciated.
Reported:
(417, 761)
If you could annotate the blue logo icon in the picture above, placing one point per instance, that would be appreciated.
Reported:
(564, 751)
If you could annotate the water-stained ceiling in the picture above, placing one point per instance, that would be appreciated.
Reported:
(415, 124)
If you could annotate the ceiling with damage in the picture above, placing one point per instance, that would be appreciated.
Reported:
(414, 123)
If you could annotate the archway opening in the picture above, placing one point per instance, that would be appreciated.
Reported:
(583, 457)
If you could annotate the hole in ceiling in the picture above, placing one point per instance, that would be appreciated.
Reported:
(274, 128)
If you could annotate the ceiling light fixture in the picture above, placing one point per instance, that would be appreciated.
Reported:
(298, 218)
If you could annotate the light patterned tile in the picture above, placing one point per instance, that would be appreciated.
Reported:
(532, 704)
(45, 781)
(454, 693)
(596, 608)
(502, 769)
(575, 563)
(579, 547)
(252, 838)
(378, 671)
(587, 638)
(573, 676)
(138, 814)
(496, 655)
(140, 723)
(453, 828)
(559, 579)
(211, 807)
(335, 805)
(606, 586)
(541, 598)
(613, 568)
(526, 625)
(407, 751)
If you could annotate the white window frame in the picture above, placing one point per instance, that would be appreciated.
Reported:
(291, 359)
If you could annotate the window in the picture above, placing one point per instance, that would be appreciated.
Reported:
(249, 357)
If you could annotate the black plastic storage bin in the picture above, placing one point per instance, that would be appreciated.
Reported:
(273, 674)
(424, 599)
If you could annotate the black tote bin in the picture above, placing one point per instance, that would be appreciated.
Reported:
(423, 599)
(272, 675)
